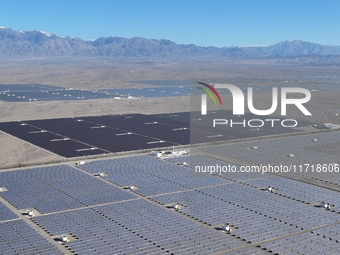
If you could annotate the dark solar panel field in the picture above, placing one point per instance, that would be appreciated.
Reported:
(201, 130)
(76, 137)
(72, 137)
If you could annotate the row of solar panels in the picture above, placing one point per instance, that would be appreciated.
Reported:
(257, 215)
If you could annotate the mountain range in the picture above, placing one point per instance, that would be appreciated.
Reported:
(15, 43)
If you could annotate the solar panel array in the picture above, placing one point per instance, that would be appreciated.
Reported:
(135, 227)
(18, 238)
(202, 163)
(258, 215)
(41, 92)
(151, 175)
(168, 91)
(303, 147)
(101, 217)
(303, 192)
(6, 213)
(311, 149)
(163, 82)
(74, 137)
(305, 243)
(57, 188)
(248, 251)
(222, 130)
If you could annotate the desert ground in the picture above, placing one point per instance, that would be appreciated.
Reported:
(104, 73)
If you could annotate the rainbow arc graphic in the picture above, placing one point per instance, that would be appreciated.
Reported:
(211, 92)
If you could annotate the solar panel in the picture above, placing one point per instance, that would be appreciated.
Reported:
(6, 213)
(135, 226)
(50, 189)
(152, 175)
(18, 238)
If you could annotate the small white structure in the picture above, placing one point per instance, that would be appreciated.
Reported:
(185, 164)
(331, 126)
(270, 189)
(101, 174)
(156, 154)
(132, 187)
(80, 163)
(325, 205)
(180, 152)
(64, 238)
(226, 228)
(30, 213)
(176, 206)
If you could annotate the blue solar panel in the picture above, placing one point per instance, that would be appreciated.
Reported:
(106, 219)
(18, 238)
(248, 209)
(6, 213)
(57, 188)
(303, 192)
(305, 243)
(248, 251)
(152, 175)
(135, 227)
(202, 162)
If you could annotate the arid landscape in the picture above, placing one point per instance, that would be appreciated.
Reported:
(92, 74)
(169, 127)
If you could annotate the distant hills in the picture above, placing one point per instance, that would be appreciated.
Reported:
(41, 44)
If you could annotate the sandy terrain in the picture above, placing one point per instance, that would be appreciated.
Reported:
(14, 153)
(57, 109)
(102, 73)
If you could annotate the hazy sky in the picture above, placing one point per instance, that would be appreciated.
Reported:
(202, 22)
